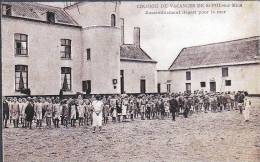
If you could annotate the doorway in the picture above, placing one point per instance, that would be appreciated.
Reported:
(159, 88)
(212, 86)
(122, 81)
(188, 87)
(142, 86)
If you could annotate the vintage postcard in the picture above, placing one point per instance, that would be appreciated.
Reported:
(130, 81)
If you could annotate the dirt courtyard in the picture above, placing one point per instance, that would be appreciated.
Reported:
(202, 137)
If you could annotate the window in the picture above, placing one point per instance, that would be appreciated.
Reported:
(21, 77)
(88, 54)
(168, 88)
(113, 20)
(51, 17)
(228, 82)
(202, 84)
(86, 86)
(188, 87)
(6, 10)
(65, 48)
(66, 78)
(21, 44)
(225, 72)
(188, 75)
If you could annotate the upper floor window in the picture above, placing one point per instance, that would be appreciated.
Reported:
(66, 78)
(65, 48)
(113, 20)
(21, 77)
(6, 10)
(21, 44)
(51, 17)
(188, 75)
(224, 72)
(88, 54)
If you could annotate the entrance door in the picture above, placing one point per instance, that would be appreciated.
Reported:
(142, 86)
(159, 88)
(122, 81)
(212, 86)
(188, 87)
(86, 86)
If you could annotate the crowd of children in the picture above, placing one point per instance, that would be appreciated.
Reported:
(45, 112)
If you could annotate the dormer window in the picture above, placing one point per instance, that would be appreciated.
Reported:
(51, 17)
(113, 20)
(6, 10)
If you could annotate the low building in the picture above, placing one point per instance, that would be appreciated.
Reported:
(225, 66)
(79, 48)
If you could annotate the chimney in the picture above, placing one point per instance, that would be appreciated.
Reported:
(137, 36)
(122, 31)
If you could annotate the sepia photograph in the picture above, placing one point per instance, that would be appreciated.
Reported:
(130, 81)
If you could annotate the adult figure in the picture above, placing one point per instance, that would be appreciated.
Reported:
(97, 113)
(241, 102)
(162, 108)
(5, 112)
(15, 112)
(173, 106)
(247, 104)
(29, 112)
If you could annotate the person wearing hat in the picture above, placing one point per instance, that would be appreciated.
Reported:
(173, 106)
(97, 113)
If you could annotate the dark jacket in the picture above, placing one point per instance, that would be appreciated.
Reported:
(173, 104)
(5, 108)
(29, 111)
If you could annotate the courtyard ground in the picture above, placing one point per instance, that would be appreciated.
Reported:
(202, 137)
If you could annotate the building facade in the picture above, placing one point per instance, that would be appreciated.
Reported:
(79, 48)
(218, 67)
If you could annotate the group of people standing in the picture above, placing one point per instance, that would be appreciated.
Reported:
(96, 109)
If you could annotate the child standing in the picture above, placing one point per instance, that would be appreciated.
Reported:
(48, 113)
(81, 110)
(38, 111)
(65, 113)
(73, 113)
(56, 113)
(15, 112)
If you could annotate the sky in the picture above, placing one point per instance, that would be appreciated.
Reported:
(163, 36)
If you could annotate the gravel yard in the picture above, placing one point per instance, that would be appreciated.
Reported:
(201, 137)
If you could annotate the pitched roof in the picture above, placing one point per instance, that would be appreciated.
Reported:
(131, 52)
(37, 11)
(236, 51)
